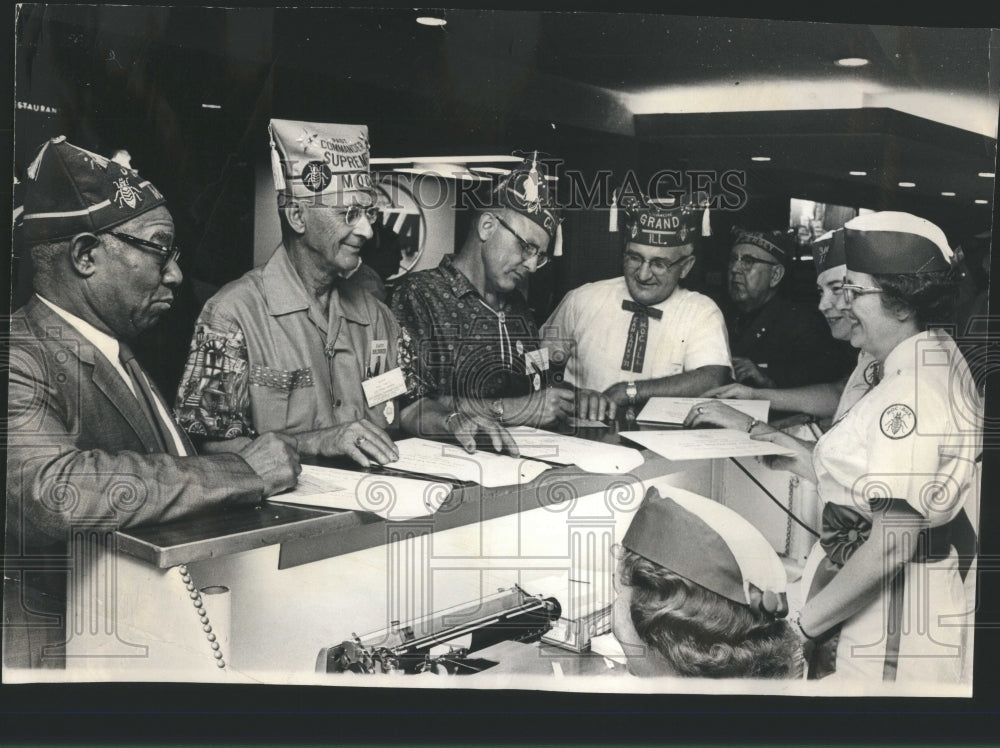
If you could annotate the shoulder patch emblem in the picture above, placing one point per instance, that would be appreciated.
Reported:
(898, 421)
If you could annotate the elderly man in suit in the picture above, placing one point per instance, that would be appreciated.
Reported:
(90, 439)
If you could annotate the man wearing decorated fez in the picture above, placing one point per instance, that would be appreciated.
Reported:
(291, 347)
(631, 338)
(774, 342)
(828, 400)
(90, 438)
(475, 343)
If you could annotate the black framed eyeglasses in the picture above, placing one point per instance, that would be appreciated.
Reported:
(657, 265)
(850, 290)
(167, 254)
(748, 262)
(528, 250)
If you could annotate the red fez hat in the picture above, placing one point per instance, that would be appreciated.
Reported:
(657, 225)
(72, 191)
(779, 244)
(892, 243)
(712, 546)
(526, 191)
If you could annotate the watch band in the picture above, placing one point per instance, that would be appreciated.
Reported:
(631, 392)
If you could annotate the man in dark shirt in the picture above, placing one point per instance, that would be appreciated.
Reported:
(474, 343)
(774, 343)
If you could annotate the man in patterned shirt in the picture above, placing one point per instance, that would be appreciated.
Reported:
(475, 342)
(287, 347)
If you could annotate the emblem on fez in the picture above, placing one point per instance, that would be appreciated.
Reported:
(683, 233)
(528, 194)
(316, 176)
(126, 194)
(898, 421)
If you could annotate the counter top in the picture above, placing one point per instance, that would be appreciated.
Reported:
(307, 533)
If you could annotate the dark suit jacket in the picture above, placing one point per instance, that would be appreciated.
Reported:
(793, 344)
(81, 453)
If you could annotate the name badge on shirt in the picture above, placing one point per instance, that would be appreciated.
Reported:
(384, 387)
(536, 361)
(377, 354)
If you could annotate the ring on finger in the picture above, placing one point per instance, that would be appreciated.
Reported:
(359, 441)
(699, 410)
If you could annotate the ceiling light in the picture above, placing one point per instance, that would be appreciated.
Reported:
(431, 21)
(852, 62)
(449, 160)
(211, 106)
(859, 173)
(760, 158)
(987, 174)
(947, 194)
(907, 184)
(982, 202)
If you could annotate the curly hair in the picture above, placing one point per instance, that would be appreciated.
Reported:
(702, 634)
(930, 297)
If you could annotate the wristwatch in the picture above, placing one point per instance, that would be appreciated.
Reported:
(496, 409)
(632, 392)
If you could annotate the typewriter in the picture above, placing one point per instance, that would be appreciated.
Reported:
(442, 642)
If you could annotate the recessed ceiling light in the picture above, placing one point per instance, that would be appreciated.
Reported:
(859, 173)
(987, 174)
(852, 62)
(982, 202)
(211, 106)
(947, 194)
(431, 21)
(760, 158)
(907, 184)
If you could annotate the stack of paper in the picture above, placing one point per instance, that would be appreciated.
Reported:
(594, 457)
(675, 409)
(703, 444)
(388, 496)
(488, 469)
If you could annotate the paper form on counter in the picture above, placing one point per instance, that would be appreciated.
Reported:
(594, 457)
(675, 409)
(703, 444)
(389, 496)
(488, 469)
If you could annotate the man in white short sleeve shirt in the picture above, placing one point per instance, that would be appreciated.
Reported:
(627, 339)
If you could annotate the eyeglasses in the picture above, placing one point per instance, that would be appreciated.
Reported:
(528, 250)
(849, 290)
(748, 262)
(657, 265)
(354, 212)
(168, 254)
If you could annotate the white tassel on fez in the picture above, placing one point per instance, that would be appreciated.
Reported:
(276, 171)
(557, 249)
(706, 223)
(613, 213)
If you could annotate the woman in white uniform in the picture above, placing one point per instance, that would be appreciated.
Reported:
(896, 473)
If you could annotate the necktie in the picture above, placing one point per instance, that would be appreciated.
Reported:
(147, 400)
(638, 334)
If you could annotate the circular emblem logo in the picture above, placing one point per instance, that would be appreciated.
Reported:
(316, 176)
(871, 373)
(898, 421)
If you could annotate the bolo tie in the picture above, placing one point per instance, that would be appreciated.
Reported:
(638, 334)
(506, 351)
